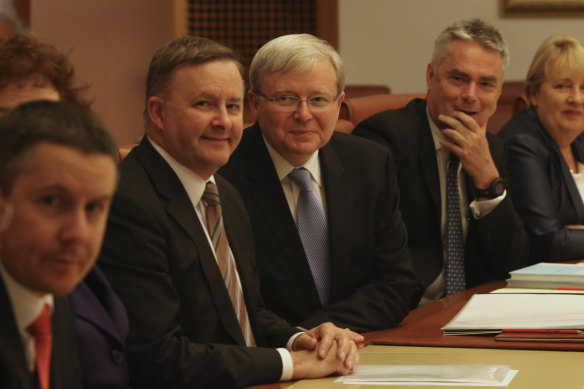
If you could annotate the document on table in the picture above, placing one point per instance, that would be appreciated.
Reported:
(490, 313)
(438, 375)
(508, 290)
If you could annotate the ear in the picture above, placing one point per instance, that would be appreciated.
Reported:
(339, 102)
(253, 105)
(157, 111)
(5, 213)
(532, 98)
(429, 75)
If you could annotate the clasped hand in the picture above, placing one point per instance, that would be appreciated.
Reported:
(330, 341)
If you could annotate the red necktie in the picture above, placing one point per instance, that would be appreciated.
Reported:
(40, 329)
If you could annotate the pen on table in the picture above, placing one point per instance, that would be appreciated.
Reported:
(539, 331)
(570, 289)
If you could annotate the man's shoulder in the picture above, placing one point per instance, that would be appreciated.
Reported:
(348, 146)
(396, 119)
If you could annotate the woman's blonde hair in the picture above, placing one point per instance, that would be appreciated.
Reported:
(555, 53)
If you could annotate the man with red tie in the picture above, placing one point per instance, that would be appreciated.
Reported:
(58, 175)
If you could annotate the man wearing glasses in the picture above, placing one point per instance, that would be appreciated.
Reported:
(330, 241)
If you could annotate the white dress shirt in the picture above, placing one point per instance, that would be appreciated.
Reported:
(195, 187)
(579, 178)
(477, 209)
(291, 189)
(26, 306)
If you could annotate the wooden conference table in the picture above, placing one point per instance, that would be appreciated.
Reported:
(421, 328)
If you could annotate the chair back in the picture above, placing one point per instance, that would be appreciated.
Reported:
(355, 110)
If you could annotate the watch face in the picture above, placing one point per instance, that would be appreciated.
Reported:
(497, 187)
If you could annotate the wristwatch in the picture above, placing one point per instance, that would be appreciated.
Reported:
(496, 189)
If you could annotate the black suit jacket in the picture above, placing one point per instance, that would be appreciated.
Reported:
(371, 273)
(495, 244)
(544, 192)
(183, 330)
(14, 373)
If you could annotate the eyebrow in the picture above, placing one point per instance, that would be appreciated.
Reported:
(456, 72)
(313, 93)
(213, 97)
(63, 190)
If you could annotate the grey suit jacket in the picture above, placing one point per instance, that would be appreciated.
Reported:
(183, 330)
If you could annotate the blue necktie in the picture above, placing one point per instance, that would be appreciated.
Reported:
(455, 276)
(313, 231)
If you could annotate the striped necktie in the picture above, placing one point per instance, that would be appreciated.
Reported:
(313, 231)
(41, 330)
(225, 259)
(455, 275)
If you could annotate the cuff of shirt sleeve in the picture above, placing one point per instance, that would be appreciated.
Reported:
(287, 364)
(292, 339)
(481, 209)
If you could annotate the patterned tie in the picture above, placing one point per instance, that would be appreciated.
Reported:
(313, 231)
(40, 329)
(225, 260)
(455, 276)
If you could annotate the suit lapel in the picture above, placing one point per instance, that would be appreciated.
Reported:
(428, 163)
(269, 197)
(339, 200)
(181, 210)
(578, 146)
(88, 307)
(10, 342)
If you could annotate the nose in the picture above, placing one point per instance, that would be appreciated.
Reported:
(221, 118)
(469, 91)
(76, 226)
(577, 95)
(303, 111)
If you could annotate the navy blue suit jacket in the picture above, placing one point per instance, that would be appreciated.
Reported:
(372, 280)
(544, 192)
(495, 244)
(101, 328)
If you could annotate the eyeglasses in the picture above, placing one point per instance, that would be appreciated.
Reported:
(289, 103)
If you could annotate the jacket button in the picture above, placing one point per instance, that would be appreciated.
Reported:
(117, 356)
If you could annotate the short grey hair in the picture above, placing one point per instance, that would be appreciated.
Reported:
(475, 30)
(298, 52)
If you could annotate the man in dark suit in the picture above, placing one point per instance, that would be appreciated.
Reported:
(185, 268)
(487, 238)
(34, 70)
(57, 178)
(366, 281)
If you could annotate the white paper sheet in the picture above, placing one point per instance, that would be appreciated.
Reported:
(435, 375)
(500, 311)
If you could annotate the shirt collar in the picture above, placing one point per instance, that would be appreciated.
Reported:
(283, 167)
(26, 304)
(436, 133)
(194, 185)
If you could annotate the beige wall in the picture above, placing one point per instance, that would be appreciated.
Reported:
(382, 42)
(390, 41)
(110, 43)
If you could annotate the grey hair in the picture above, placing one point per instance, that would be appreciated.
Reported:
(475, 30)
(299, 52)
